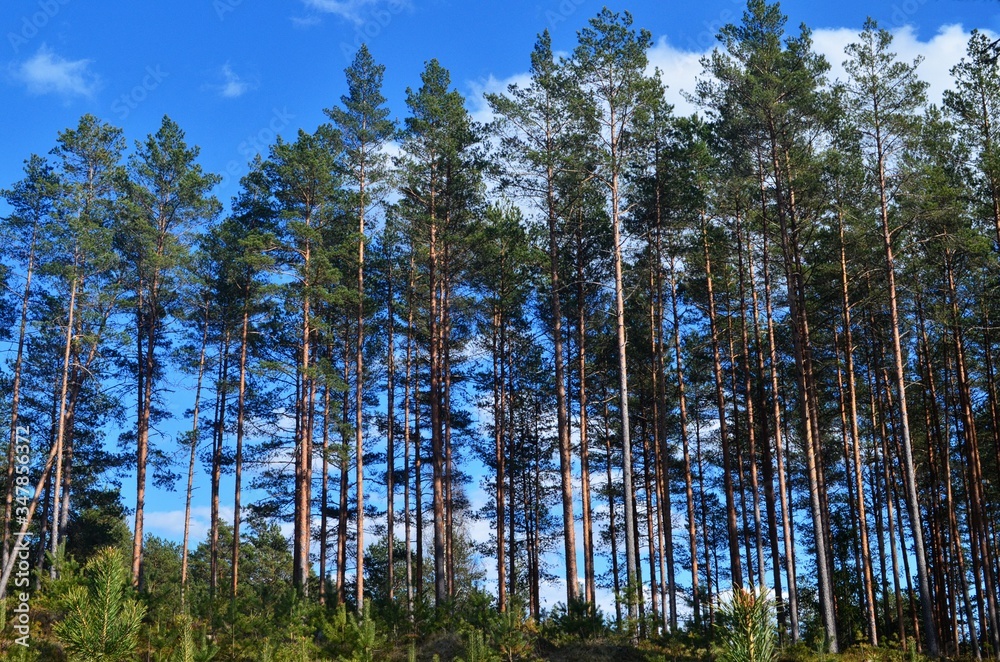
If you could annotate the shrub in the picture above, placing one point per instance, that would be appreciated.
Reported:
(366, 635)
(747, 632)
(513, 633)
(476, 649)
(102, 618)
(578, 619)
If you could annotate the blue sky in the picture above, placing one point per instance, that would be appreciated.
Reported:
(234, 73)
(231, 71)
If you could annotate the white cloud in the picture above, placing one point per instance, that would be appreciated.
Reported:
(49, 73)
(232, 85)
(355, 11)
(170, 523)
(681, 68)
(478, 108)
(307, 22)
(940, 53)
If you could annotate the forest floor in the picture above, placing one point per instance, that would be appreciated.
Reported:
(445, 647)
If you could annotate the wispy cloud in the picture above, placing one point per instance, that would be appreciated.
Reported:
(48, 73)
(681, 68)
(170, 523)
(233, 85)
(306, 22)
(355, 11)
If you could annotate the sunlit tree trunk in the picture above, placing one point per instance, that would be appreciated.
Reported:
(736, 568)
(193, 440)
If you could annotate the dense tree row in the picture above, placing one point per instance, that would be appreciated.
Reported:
(752, 347)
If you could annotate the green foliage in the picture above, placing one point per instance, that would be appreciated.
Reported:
(747, 632)
(591, 144)
(23, 654)
(476, 649)
(194, 646)
(297, 642)
(102, 618)
(513, 634)
(94, 528)
(369, 640)
(578, 620)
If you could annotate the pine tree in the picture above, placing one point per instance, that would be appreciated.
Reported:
(609, 64)
(78, 258)
(243, 243)
(766, 104)
(537, 125)
(440, 188)
(883, 93)
(365, 129)
(31, 200)
(168, 196)
(975, 105)
(102, 618)
(304, 182)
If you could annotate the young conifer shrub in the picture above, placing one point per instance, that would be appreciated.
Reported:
(102, 617)
(747, 633)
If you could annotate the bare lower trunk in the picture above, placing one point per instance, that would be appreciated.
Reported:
(15, 399)
(390, 446)
(852, 399)
(62, 431)
(499, 417)
(613, 534)
(303, 431)
(217, 441)
(631, 550)
(240, 415)
(909, 469)
(437, 424)
(406, 440)
(562, 415)
(193, 440)
(342, 502)
(359, 408)
(56, 446)
(779, 460)
(590, 581)
(149, 331)
(324, 494)
(749, 392)
(736, 568)
(685, 447)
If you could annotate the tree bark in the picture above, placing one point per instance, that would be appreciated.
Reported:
(194, 452)
(735, 567)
